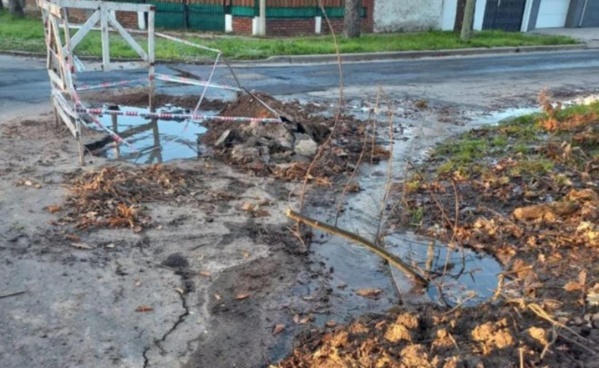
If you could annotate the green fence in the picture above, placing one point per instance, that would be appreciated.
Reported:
(208, 16)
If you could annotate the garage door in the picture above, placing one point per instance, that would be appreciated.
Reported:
(591, 14)
(552, 13)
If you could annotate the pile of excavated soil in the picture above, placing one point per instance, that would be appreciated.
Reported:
(287, 149)
(141, 99)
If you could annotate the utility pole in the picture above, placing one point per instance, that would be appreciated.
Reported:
(468, 21)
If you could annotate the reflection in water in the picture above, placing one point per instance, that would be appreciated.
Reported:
(460, 276)
(155, 140)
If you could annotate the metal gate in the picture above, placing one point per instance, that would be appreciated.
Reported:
(504, 14)
(590, 17)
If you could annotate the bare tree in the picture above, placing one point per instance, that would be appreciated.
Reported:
(468, 21)
(351, 19)
(16, 8)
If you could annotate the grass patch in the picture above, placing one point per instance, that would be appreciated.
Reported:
(472, 152)
(27, 35)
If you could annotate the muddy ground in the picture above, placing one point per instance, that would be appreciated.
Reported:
(525, 192)
(209, 276)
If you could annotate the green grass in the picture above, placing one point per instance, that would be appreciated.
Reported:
(27, 35)
(471, 152)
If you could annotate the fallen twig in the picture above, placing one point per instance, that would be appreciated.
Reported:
(13, 294)
(360, 240)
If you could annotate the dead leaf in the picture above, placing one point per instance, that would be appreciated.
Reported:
(81, 246)
(331, 323)
(538, 334)
(278, 329)
(593, 296)
(144, 308)
(218, 297)
(247, 206)
(353, 187)
(572, 286)
(137, 283)
(242, 296)
(180, 291)
(137, 229)
(72, 237)
(205, 273)
(369, 293)
(53, 208)
(110, 245)
(306, 319)
(296, 319)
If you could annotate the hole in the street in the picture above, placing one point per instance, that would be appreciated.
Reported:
(148, 140)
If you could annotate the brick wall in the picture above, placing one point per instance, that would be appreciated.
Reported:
(306, 26)
(289, 27)
(127, 19)
(242, 25)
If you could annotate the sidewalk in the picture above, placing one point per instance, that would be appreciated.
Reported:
(590, 36)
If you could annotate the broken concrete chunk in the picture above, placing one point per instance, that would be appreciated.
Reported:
(304, 145)
(243, 153)
(279, 133)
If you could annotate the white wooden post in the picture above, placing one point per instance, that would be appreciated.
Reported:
(262, 19)
(228, 23)
(105, 37)
(318, 25)
(151, 57)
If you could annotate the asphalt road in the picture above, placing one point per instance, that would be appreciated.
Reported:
(478, 80)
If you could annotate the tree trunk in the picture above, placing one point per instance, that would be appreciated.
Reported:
(351, 20)
(459, 16)
(16, 8)
(468, 21)
(1, 5)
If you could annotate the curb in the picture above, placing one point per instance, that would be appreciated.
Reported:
(376, 56)
(357, 57)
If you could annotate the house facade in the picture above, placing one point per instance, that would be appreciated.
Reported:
(296, 17)
(525, 15)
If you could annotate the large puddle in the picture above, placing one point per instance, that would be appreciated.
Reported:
(459, 276)
(150, 141)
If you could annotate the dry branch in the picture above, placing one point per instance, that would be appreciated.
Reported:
(360, 240)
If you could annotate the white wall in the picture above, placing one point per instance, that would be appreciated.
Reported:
(407, 15)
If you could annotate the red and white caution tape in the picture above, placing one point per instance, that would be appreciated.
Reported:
(182, 80)
(166, 116)
(85, 87)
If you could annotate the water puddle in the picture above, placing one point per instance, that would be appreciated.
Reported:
(149, 140)
(458, 276)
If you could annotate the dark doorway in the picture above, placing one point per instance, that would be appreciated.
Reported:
(504, 14)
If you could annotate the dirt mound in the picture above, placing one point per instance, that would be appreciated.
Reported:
(286, 149)
(141, 99)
